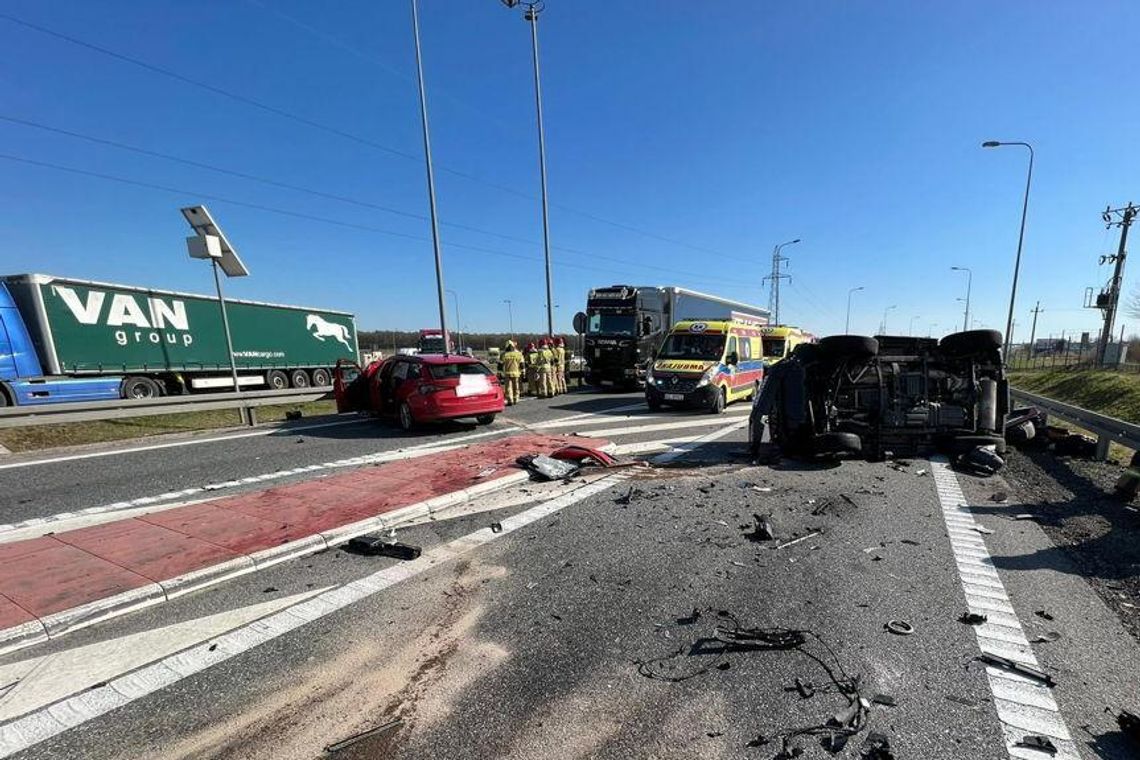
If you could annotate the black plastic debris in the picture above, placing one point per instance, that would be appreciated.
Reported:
(886, 700)
(628, 497)
(981, 460)
(806, 689)
(691, 618)
(834, 742)
(1043, 614)
(1047, 638)
(496, 527)
(1001, 497)
(877, 747)
(382, 546)
(762, 531)
(548, 468)
(269, 590)
(972, 618)
(1039, 743)
(381, 729)
(759, 741)
(1018, 667)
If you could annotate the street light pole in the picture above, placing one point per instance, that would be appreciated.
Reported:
(847, 324)
(533, 8)
(510, 315)
(1020, 235)
(883, 324)
(910, 327)
(969, 285)
(458, 331)
(430, 178)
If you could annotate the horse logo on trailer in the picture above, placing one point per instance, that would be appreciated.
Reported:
(321, 328)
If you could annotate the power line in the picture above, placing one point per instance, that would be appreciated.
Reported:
(290, 213)
(326, 195)
(254, 103)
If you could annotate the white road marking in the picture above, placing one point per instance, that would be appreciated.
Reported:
(1024, 706)
(40, 681)
(599, 414)
(637, 429)
(177, 444)
(45, 722)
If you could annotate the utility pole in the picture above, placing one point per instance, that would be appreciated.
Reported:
(775, 277)
(1108, 298)
(1033, 330)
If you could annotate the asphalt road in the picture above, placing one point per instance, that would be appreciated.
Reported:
(587, 628)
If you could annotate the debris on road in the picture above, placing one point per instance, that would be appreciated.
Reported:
(982, 460)
(762, 530)
(486, 473)
(920, 472)
(585, 455)
(382, 546)
(877, 747)
(1001, 497)
(381, 729)
(496, 527)
(691, 618)
(1043, 614)
(797, 540)
(972, 618)
(1037, 742)
(806, 689)
(547, 468)
(982, 529)
(1017, 667)
(899, 627)
(626, 498)
(885, 699)
(1047, 638)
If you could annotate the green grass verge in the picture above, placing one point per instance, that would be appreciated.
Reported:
(71, 434)
(1113, 393)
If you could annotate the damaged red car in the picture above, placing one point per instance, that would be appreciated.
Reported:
(418, 389)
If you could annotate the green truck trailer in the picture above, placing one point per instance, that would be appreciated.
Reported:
(165, 342)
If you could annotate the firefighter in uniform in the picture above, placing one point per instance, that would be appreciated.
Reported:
(511, 363)
(559, 365)
(531, 356)
(545, 369)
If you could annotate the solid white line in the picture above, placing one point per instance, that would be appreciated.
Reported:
(709, 421)
(176, 444)
(1023, 705)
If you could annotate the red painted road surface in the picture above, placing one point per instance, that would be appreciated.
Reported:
(41, 576)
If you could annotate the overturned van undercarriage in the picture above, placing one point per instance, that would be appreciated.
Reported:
(902, 395)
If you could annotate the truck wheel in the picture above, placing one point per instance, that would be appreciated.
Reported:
(139, 387)
(406, 418)
(848, 347)
(321, 378)
(485, 419)
(299, 378)
(720, 402)
(276, 379)
(971, 342)
(838, 443)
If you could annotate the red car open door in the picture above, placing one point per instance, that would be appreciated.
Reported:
(343, 376)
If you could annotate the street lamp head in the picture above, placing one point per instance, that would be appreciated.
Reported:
(796, 240)
(991, 144)
(510, 3)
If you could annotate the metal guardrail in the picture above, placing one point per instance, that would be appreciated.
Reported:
(88, 411)
(1107, 429)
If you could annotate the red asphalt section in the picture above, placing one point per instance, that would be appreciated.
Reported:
(41, 576)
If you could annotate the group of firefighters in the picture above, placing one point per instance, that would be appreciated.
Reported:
(543, 364)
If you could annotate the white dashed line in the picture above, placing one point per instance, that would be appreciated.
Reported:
(1024, 705)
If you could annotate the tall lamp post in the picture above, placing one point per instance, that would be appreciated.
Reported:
(883, 324)
(847, 324)
(910, 327)
(458, 331)
(510, 315)
(532, 9)
(1020, 235)
(969, 286)
(430, 178)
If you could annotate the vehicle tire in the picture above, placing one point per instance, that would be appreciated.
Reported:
(321, 378)
(405, 417)
(807, 352)
(139, 387)
(837, 443)
(276, 380)
(299, 378)
(485, 419)
(1021, 433)
(971, 342)
(720, 402)
(965, 443)
(654, 404)
(3, 398)
(848, 347)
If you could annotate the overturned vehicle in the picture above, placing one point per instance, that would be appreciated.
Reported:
(887, 395)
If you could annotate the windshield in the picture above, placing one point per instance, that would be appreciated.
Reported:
(692, 346)
(774, 348)
(452, 371)
(611, 324)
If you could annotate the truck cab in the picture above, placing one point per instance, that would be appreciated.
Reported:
(624, 327)
(22, 381)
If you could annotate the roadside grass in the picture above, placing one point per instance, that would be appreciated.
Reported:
(1113, 393)
(102, 431)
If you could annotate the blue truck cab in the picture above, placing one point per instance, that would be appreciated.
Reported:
(22, 381)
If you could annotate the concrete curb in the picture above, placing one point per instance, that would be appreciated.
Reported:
(58, 623)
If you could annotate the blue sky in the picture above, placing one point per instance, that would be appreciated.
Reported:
(684, 140)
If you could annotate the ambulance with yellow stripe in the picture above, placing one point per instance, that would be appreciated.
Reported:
(781, 340)
(707, 364)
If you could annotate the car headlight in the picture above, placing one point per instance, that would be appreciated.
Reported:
(706, 378)
(649, 376)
